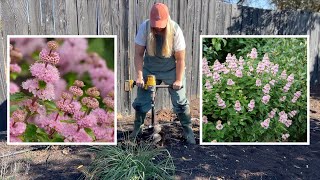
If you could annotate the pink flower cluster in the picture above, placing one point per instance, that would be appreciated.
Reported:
(219, 125)
(251, 105)
(15, 56)
(266, 89)
(17, 125)
(283, 118)
(265, 123)
(237, 106)
(208, 85)
(221, 103)
(253, 54)
(74, 58)
(45, 75)
(285, 136)
(265, 99)
(28, 45)
(230, 82)
(205, 119)
(272, 113)
(296, 96)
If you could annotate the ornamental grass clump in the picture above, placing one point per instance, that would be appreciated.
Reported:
(131, 161)
(252, 100)
(45, 109)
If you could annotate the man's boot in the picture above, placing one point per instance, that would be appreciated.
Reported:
(139, 120)
(185, 120)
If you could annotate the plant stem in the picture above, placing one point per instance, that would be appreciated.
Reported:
(56, 116)
(34, 100)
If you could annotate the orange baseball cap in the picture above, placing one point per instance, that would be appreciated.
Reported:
(159, 15)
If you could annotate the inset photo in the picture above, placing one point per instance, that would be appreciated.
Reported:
(254, 90)
(61, 90)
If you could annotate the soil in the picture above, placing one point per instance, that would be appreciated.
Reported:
(191, 161)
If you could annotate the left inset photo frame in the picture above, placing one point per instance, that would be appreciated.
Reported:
(61, 90)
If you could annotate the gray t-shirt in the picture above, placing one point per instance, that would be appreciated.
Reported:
(178, 41)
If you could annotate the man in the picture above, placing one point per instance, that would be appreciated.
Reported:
(160, 51)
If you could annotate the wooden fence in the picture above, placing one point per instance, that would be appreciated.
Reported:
(122, 18)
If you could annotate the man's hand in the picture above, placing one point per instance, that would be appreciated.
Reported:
(140, 82)
(177, 85)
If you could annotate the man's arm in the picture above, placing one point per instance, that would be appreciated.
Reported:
(180, 66)
(138, 63)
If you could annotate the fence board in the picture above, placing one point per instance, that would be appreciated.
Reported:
(71, 17)
(3, 84)
(60, 17)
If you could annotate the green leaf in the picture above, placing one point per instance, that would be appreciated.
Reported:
(13, 108)
(29, 134)
(42, 84)
(50, 106)
(90, 133)
(13, 76)
(17, 97)
(57, 138)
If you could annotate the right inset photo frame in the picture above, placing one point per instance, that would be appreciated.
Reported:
(254, 90)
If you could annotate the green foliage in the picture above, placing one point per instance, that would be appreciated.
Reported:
(131, 161)
(212, 52)
(17, 97)
(212, 47)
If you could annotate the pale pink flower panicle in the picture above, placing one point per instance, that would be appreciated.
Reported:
(253, 54)
(296, 96)
(205, 119)
(219, 125)
(290, 78)
(265, 99)
(208, 85)
(285, 136)
(251, 105)
(230, 82)
(265, 123)
(272, 113)
(237, 106)
(258, 82)
(283, 74)
(266, 89)
(221, 103)
(238, 73)
(292, 113)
